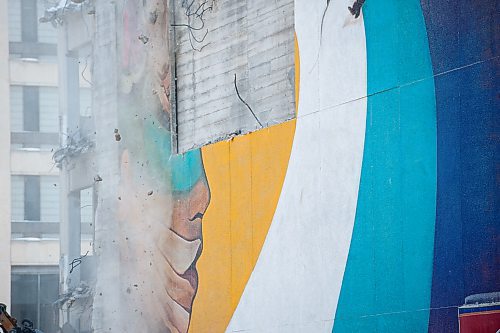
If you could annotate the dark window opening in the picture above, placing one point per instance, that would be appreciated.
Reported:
(32, 297)
(29, 21)
(32, 198)
(31, 112)
(31, 109)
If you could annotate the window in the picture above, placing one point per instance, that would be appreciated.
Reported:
(16, 109)
(31, 109)
(36, 110)
(15, 20)
(35, 207)
(29, 21)
(28, 37)
(47, 33)
(49, 109)
(34, 290)
(35, 199)
(24, 25)
(32, 198)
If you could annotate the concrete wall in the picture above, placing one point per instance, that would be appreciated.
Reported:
(250, 39)
(39, 74)
(4, 157)
(36, 252)
(107, 304)
(33, 163)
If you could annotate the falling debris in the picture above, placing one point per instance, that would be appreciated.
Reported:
(83, 291)
(118, 137)
(74, 147)
(97, 178)
(153, 17)
(56, 13)
(150, 192)
(144, 39)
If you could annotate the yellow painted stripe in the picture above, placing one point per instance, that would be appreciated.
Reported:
(245, 176)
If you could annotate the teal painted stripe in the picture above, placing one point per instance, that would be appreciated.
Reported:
(387, 281)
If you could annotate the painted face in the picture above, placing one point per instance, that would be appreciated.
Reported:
(163, 196)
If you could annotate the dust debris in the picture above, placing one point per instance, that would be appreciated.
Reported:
(118, 137)
(144, 39)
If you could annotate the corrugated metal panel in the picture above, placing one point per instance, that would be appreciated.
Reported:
(17, 198)
(14, 20)
(49, 110)
(46, 31)
(49, 199)
(16, 108)
(86, 204)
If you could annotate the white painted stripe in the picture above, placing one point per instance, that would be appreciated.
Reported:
(297, 279)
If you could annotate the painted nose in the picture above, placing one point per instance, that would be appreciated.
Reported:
(189, 209)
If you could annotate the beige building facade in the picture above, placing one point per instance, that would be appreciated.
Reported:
(29, 126)
(31, 197)
(4, 157)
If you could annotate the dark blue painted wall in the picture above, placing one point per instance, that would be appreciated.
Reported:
(464, 44)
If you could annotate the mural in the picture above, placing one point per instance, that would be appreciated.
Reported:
(391, 278)
(375, 210)
(163, 196)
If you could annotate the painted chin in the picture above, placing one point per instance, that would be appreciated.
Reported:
(184, 266)
(184, 250)
(191, 275)
(181, 286)
(180, 278)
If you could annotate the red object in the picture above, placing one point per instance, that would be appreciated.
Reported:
(479, 318)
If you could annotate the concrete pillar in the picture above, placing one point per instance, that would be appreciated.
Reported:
(69, 113)
(70, 211)
(106, 309)
(5, 214)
